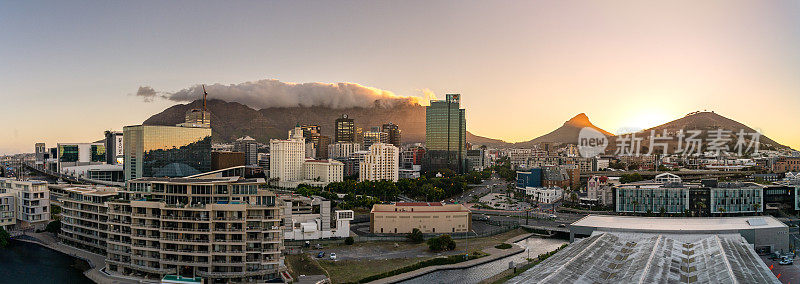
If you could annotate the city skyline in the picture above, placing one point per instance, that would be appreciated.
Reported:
(627, 66)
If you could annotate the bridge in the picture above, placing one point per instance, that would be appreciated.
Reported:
(69, 178)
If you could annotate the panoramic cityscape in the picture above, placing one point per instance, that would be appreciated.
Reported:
(515, 142)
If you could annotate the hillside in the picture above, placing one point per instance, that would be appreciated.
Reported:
(566, 134)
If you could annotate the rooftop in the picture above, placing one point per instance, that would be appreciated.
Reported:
(617, 257)
(418, 204)
(673, 224)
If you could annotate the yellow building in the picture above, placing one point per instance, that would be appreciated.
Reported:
(428, 217)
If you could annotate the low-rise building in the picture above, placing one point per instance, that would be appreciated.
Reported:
(309, 218)
(544, 195)
(428, 217)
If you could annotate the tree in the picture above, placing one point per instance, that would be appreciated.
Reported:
(53, 227)
(441, 243)
(349, 241)
(662, 211)
(5, 237)
(416, 236)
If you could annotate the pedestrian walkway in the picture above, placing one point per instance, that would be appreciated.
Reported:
(96, 261)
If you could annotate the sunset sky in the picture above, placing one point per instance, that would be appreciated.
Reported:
(69, 71)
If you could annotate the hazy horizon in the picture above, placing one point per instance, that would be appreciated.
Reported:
(72, 70)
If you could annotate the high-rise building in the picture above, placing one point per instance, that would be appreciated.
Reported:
(166, 151)
(286, 157)
(345, 130)
(249, 147)
(393, 133)
(80, 154)
(322, 146)
(446, 134)
(115, 151)
(375, 135)
(380, 163)
(224, 230)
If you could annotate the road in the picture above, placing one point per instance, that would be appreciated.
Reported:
(487, 185)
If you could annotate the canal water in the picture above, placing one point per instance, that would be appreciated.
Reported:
(535, 246)
(22, 262)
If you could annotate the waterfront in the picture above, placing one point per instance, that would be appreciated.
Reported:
(23, 262)
(484, 271)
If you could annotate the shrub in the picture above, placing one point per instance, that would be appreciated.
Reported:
(5, 237)
(503, 246)
(441, 243)
(416, 236)
(349, 241)
(53, 227)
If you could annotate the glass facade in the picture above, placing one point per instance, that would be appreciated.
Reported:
(345, 130)
(67, 153)
(655, 200)
(446, 134)
(736, 200)
(166, 151)
(98, 153)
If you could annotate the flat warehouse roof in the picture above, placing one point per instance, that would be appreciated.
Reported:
(679, 224)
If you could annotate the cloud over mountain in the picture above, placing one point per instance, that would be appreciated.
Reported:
(269, 93)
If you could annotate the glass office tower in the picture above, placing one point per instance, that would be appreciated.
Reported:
(446, 134)
(345, 130)
(166, 151)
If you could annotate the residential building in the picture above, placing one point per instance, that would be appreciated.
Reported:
(345, 130)
(287, 157)
(166, 151)
(380, 163)
(289, 167)
(342, 150)
(249, 147)
(8, 209)
(322, 147)
(322, 172)
(31, 203)
(411, 156)
(600, 189)
(393, 133)
(225, 230)
(84, 217)
(445, 134)
(787, 164)
(309, 218)
(428, 217)
(476, 160)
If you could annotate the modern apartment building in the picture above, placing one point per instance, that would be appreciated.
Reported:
(31, 203)
(84, 217)
(323, 172)
(375, 136)
(446, 134)
(249, 147)
(700, 199)
(225, 230)
(8, 209)
(380, 163)
(166, 151)
(428, 217)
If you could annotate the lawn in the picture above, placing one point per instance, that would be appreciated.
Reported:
(303, 264)
(344, 271)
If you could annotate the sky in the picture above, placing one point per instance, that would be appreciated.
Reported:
(69, 71)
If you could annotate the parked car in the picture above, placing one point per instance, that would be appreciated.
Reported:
(562, 225)
(786, 261)
(321, 254)
(333, 256)
(553, 216)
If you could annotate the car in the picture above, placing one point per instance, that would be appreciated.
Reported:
(553, 216)
(562, 225)
(786, 261)
(321, 254)
(333, 256)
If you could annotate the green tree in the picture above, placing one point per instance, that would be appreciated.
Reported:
(349, 241)
(441, 243)
(5, 238)
(415, 236)
(53, 227)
